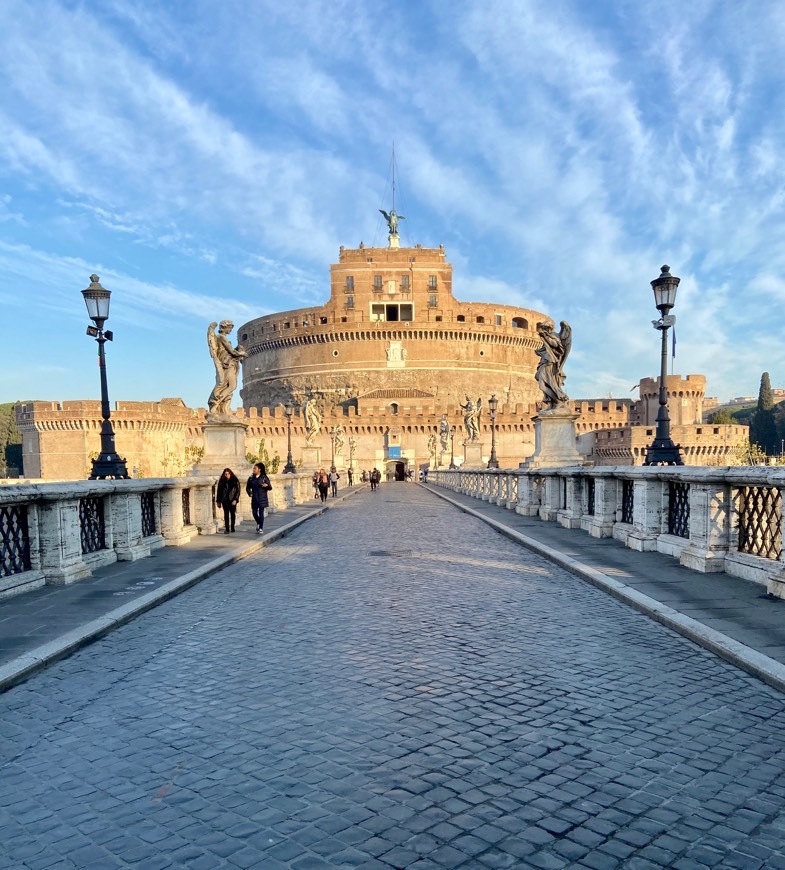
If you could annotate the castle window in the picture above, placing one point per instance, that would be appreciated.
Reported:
(438, 317)
(432, 282)
(407, 313)
(350, 301)
(322, 320)
(344, 320)
(498, 320)
(480, 318)
(394, 408)
(460, 318)
(391, 313)
(377, 312)
(404, 282)
(349, 282)
(377, 282)
(287, 325)
(432, 301)
(244, 337)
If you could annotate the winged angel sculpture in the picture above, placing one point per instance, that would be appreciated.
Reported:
(227, 367)
(553, 354)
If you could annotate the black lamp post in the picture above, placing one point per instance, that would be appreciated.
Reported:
(493, 404)
(662, 450)
(452, 447)
(332, 448)
(108, 463)
(289, 468)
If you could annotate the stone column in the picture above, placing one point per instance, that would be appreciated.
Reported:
(570, 517)
(202, 507)
(606, 500)
(647, 514)
(173, 530)
(528, 496)
(60, 542)
(709, 543)
(552, 498)
(126, 510)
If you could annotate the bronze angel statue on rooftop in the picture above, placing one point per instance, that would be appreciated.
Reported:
(392, 220)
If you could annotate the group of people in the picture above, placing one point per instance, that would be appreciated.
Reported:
(324, 482)
(227, 494)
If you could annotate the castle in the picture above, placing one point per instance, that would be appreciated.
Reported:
(389, 355)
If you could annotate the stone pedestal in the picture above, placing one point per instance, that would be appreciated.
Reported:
(472, 452)
(224, 447)
(554, 440)
(312, 458)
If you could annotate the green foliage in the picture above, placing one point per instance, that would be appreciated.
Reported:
(10, 439)
(723, 417)
(272, 464)
(746, 453)
(765, 395)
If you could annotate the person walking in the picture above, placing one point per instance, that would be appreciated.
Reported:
(315, 482)
(257, 487)
(334, 481)
(350, 475)
(323, 483)
(227, 494)
(375, 477)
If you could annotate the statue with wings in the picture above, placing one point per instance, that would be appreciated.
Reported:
(227, 367)
(550, 370)
(471, 418)
(392, 220)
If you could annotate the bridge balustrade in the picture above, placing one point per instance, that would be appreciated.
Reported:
(710, 519)
(58, 533)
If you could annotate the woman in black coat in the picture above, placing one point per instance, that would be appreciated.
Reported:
(227, 494)
(257, 487)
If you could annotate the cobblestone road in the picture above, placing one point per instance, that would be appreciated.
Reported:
(393, 685)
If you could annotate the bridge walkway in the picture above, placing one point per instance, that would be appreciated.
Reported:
(392, 686)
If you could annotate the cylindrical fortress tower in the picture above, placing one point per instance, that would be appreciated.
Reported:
(392, 323)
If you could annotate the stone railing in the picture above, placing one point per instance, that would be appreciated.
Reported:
(710, 519)
(57, 533)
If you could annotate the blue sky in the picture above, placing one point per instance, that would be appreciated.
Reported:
(208, 159)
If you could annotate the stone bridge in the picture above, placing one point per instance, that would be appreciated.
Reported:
(393, 684)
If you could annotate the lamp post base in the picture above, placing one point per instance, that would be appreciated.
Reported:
(109, 465)
(663, 452)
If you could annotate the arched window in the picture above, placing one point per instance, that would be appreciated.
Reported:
(460, 318)
(480, 318)
(520, 323)
(394, 408)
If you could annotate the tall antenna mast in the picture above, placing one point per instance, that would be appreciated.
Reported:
(393, 176)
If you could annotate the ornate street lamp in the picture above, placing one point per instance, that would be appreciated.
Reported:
(452, 447)
(108, 463)
(289, 468)
(332, 446)
(493, 404)
(662, 450)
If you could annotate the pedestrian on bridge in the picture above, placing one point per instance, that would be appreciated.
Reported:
(376, 476)
(323, 483)
(257, 487)
(227, 494)
(334, 481)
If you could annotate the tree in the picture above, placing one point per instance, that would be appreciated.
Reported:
(262, 455)
(723, 417)
(763, 429)
(10, 439)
